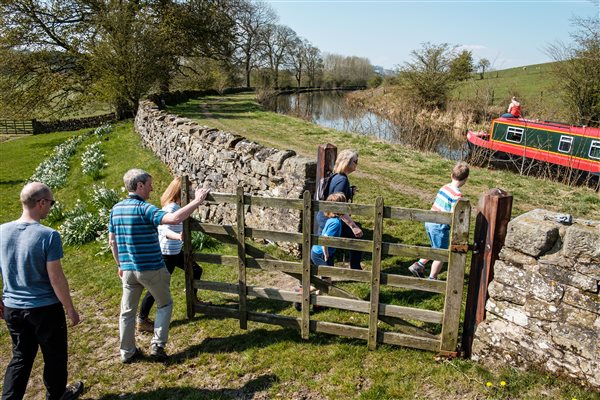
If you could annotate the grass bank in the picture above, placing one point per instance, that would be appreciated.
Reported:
(404, 177)
(212, 358)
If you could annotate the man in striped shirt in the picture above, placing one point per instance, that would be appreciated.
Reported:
(439, 234)
(133, 240)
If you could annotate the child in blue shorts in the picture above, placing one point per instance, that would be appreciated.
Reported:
(321, 255)
(439, 234)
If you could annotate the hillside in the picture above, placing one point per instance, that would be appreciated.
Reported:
(533, 85)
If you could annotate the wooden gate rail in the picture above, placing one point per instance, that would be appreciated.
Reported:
(16, 127)
(249, 256)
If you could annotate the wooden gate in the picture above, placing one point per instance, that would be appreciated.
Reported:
(16, 127)
(249, 256)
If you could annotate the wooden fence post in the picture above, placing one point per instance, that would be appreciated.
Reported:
(495, 207)
(241, 245)
(306, 236)
(375, 274)
(326, 155)
(459, 243)
(188, 256)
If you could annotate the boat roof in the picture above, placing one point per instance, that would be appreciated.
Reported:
(553, 126)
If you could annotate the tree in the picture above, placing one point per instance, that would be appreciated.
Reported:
(251, 19)
(427, 77)
(278, 44)
(109, 50)
(314, 65)
(297, 59)
(482, 65)
(578, 71)
(461, 67)
(40, 55)
(346, 71)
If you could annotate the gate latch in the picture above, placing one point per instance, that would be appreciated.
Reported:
(459, 248)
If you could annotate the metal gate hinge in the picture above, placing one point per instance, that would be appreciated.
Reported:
(459, 248)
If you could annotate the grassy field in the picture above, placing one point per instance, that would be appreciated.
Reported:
(533, 85)
(213, 358)
(532, 82)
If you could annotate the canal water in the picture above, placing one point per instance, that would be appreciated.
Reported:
(330, 109)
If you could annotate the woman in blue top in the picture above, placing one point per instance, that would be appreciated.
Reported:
(170, 238)
(321, 255)
(345, 164)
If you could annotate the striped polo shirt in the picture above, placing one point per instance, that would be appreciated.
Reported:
(170, 246)
(446, 198)
(134, 223)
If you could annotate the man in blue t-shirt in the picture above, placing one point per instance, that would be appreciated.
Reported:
(133, 239)
(34, 293)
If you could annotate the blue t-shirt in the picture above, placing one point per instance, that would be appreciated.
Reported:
(333, 228)
(25, 248)
(134, 223)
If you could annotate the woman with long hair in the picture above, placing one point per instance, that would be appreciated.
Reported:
(345, 164)
(171, 247)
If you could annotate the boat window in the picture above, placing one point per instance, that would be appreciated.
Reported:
(595, 149)
(565, 144)
(514, 134)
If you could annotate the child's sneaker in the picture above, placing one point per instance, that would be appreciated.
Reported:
(417, 269)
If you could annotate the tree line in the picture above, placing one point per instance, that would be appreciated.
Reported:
(57, 55)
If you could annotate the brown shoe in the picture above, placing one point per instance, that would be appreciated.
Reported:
(145, 325)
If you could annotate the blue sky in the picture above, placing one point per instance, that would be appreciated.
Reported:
(509, 33)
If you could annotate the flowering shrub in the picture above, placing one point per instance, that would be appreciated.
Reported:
(92, 160)
(103, 130)
(104, 198)
(102, 238)
(80, 226)
(53, 170)
(201, 241)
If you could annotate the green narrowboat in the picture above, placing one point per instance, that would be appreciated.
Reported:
(561, 144)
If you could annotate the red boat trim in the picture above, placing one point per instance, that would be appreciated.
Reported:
(538, 154)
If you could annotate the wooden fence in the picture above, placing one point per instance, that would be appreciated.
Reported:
(16, 127)
(249, 256)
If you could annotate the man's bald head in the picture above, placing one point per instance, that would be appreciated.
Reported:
(34, 192)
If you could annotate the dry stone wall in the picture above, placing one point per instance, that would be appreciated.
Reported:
(543, 309)
(225, 160)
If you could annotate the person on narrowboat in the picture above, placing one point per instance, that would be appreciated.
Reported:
(514, 109)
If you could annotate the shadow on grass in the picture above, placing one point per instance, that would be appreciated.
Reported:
(235, 343)
(255, 338)
(255, 304)
(13, 182)
(247, 391)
